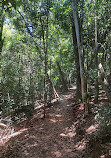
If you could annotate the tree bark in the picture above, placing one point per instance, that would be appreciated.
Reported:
(80, 52)
(104, 82)
(96, 61)
(110, 64)
(64, 82)
(45, 46)
(91, 62)
(45, 52)
(1, 27)
(55, 94)
(76, 56)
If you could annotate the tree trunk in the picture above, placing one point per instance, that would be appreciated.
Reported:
(64, 82)
(91, 62)
(96, 61)
(1, 28)
(104, 82)
(76, 56)
(50, 89)
(45, 46)
(55, 94)
(80, 52)
(110, 64)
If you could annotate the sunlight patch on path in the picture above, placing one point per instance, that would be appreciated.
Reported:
(81, 145)
(69, 132)
(91, 129)
(57, 154)
(7, 137)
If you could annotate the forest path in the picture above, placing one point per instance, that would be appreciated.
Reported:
(61, 135)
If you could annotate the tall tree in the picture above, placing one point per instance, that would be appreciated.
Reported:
(96, 56)
(1, 24)
(64, 82)
(80, 52)
(76, 57)
(44, 26)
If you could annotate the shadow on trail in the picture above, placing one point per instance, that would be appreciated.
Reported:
(65, 133)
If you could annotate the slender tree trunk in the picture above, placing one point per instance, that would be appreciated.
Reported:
(80, 51)
(55, 94)
(45, 52)
(19, 69)
(45, 46)
(96, 61)
(110, 64)
(76, 56)
(1, 27)
(104, 81)
(39, 96)
(91, 62)
(64, 82)
(50, 93)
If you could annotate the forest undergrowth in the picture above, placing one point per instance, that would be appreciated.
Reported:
(64, 133)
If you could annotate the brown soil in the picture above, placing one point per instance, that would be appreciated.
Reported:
(64, 133)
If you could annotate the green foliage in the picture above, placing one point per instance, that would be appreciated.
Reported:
(62, 15)
(23, 64)
(103, 118)
(13, 3)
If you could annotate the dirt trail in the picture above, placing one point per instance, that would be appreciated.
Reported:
(61, 135)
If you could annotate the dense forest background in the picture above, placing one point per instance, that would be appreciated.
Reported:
(46, 44)
(46, 47)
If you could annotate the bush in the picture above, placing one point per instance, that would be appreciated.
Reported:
(103, 119)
